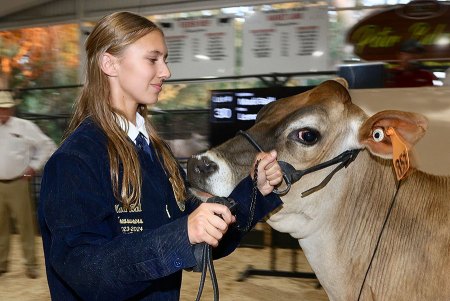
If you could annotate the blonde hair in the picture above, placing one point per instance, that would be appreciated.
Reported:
(112, 34)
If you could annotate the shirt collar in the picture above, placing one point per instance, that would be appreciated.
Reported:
(134, 130)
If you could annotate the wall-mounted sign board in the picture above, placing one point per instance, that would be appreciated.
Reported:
(200, 47)
(286, 41)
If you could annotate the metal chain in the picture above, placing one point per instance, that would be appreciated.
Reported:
(253, 198)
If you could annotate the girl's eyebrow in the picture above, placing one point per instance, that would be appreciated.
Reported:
(157, 53)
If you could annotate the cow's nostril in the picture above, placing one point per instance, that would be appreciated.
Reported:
(202, 166)
(206, 166)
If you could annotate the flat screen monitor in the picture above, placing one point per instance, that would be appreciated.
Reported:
(236, 109)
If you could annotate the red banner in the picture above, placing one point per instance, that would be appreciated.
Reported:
(379, 36)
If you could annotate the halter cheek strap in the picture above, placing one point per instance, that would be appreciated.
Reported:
(292, 175)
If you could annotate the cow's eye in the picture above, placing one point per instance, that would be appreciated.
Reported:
(306, 136)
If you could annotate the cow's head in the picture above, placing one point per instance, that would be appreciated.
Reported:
(305, 129)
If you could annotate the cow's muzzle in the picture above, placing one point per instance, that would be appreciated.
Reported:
(202, 166)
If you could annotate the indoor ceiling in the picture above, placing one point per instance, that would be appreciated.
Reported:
(29, 13)
(11, 7)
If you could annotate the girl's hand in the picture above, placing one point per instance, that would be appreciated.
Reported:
(269, 172)
(208, 223)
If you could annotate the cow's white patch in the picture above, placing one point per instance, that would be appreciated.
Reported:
(352, 136)
(307, 121)
(221, 182)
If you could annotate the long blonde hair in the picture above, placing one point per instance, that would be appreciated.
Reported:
(112, 34)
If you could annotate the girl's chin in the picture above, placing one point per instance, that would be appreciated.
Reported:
(149, 102)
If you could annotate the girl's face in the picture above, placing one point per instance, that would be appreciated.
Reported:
(141, 71)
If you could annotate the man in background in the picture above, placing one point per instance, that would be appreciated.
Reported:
(447, 77)
(23, 151)
(409, 72)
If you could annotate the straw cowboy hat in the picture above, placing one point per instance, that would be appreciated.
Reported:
(6, 100)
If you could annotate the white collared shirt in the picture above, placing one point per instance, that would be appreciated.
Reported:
(134, 130)
(22, 145)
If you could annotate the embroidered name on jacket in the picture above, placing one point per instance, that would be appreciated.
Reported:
(120, 209)
(129, 220)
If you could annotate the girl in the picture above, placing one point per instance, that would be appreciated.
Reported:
(113, 216)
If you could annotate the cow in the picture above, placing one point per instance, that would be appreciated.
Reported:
(380, 228)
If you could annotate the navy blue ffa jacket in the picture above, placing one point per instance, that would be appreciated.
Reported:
(97, 250)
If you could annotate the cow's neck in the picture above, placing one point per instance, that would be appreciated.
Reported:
(344, 225)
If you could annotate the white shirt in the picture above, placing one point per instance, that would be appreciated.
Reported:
(134, 130)
(22, 145)
(447, 77)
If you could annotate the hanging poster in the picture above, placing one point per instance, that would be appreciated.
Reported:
(286, 41)
(200, 47)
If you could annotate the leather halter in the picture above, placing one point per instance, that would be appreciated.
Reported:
(292, 175)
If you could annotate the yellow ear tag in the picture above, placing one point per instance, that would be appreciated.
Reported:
(400, 156)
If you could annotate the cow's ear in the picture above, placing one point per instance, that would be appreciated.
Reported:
(342, 81)
(375, 134)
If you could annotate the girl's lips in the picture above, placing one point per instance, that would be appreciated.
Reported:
(157, 87)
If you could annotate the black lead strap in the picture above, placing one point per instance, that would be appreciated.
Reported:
(207, 263)
(391, 205)
(292, 175)
(206, 257)
(251, 140)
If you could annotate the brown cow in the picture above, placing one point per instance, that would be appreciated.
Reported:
(367, 235)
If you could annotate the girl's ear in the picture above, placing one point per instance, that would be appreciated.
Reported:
(108, 64)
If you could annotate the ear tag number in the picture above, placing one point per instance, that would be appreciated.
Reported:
(400, 156)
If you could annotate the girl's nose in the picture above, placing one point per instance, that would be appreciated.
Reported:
(165, 72)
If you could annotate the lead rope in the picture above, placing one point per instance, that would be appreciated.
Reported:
(379, 239)
(207, 258)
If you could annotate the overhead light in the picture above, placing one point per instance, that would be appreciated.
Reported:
(439, 74)
(317, 53)
(202, 57)
(443, 41)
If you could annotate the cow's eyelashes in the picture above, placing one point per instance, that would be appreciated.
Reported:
(306, 136)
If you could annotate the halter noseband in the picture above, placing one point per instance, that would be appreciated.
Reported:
(292, 175)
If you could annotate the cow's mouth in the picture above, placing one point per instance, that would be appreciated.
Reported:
(200, 194)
